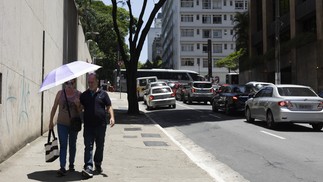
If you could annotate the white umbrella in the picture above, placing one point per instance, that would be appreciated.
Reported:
(67, 72)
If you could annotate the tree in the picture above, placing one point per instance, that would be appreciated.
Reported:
(137, 35)
(231, 61)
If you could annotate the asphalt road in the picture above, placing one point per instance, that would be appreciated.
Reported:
(289, 153)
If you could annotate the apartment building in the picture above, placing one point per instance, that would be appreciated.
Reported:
(154, 45)
(188, 25)
(300, 35)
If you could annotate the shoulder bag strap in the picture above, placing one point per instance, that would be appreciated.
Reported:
(68, 108)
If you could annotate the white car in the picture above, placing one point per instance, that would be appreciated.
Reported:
(150, 85)
(286, 104)
(160, 96)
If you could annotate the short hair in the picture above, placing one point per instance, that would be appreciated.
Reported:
(93, 74)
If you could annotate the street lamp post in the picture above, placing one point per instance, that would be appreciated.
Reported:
(277, 43)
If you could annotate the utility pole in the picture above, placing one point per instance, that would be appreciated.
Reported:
(277, 43)
(209, 51)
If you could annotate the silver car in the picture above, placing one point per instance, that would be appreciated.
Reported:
(286, 104)
(160, 96)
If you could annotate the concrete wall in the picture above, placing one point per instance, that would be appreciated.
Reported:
(26, 26)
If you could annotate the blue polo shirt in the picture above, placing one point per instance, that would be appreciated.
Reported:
(95, 104)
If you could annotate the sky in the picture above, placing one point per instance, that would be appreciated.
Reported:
(136, 8)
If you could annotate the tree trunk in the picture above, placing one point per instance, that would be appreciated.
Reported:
(133, 107)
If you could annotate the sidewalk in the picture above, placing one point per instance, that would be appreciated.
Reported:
(135, 151)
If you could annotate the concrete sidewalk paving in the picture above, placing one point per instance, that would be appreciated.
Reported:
(135, 150)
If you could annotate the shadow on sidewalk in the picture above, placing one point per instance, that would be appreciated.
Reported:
(51, 176)
(122, 117)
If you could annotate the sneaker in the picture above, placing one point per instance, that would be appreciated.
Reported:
(71, 169)
(98, 169)
(87, 173)
(61, 172)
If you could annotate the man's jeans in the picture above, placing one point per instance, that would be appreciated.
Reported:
(66, 136)
(93, 134)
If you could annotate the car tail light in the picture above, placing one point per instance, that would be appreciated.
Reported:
(234, 98)
(285, 104)
(151, 97)
(193, 90)
(172, 95)
(320, 105)
(211, 90)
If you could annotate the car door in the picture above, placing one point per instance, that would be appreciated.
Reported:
(264, 102)
(255, 104)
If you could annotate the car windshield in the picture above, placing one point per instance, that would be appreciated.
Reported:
(295, 91)
(202, 85)
(240, 89)
(161, 90)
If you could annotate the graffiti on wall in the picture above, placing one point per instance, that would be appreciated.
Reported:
(16, 111)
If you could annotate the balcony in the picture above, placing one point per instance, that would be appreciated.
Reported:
(305, 9)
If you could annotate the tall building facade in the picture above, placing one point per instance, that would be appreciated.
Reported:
(299, 52)
(154, 46)
(189, 24)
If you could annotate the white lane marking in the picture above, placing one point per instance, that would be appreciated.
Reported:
(219, 171)
(273, 135)
(215, 116)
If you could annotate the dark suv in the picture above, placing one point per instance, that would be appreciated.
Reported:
(200, 91)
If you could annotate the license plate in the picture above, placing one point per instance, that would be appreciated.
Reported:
(307, 107)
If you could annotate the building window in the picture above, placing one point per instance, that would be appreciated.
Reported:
(197, 2)
(225, 46)
(217, 4)
(217, 33)
(187, 18)
(197, 46)
(239, 4)
(205, 48)
(224, 17)
(187, 62)
(206, 19)
(214, 62)
(217, 19)
(187, 47)
(217, 48)
(224, 2)
(246, 5)
(225, 32)
(232, 47)
(197, 17)
(231, 17)
(187, 32)
(206, 33)
(187, 3)
(206, 4)
(231, 32)
(198, 31)
(205, 63)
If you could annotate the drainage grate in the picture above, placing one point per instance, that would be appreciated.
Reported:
(155, 143)
(130, 136)
(150, 135)
(132, 129)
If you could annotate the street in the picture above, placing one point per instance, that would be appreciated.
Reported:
(289, 153)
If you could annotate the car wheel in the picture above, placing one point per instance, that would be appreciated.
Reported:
(189, 100)
(174, 106)
(270, 120)
(248, 116)
(148, 107)
(227, 109)
(214, 108)
(317, 126)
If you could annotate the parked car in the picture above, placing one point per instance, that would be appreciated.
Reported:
(150, 85)
(160, 96)
(230, 98)
(286, 104)
(179, 95)
(200, 91)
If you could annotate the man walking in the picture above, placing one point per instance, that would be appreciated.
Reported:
(96, 103)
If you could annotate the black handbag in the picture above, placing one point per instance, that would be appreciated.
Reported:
(76, 122)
